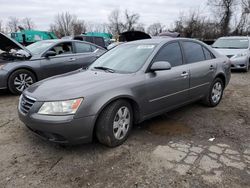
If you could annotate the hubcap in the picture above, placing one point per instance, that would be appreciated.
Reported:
(121, 123)
(216, 92)
(22, 81)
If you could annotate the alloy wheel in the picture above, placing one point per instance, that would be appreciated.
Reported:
(22, 81)
(121, 123)
(216, 92)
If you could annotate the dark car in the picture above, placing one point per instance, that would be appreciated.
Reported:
(22, 66)
(92, 39)
(128, 84)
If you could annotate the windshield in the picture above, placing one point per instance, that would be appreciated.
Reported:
(127, 58)
(39, 47)
(232, 43)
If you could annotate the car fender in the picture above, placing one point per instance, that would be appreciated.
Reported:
(94, 105)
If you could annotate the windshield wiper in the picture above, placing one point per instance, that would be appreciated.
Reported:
(105, 68)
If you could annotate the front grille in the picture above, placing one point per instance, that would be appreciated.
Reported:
(26, 103)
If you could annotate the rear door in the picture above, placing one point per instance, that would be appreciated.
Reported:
(202, 68)
(169, 88)
(86, 54)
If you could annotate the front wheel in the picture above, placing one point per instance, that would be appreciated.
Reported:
(20, 80)
(215, 93)
(115, 123)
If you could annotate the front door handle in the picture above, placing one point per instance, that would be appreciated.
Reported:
(184, 74)
(72, 59)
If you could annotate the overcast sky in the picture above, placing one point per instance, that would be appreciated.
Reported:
(42, 12)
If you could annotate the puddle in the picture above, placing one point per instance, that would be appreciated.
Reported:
(166, 126)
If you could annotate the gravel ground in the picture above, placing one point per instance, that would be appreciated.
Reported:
(172, 150)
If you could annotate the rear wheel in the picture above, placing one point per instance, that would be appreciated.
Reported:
(20, 80)
(115, 123)
(215, 93)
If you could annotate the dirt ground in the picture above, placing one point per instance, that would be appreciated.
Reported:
(172, 150)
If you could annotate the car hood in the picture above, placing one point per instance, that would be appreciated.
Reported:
(7, 43)
(75, 84)
(229, 52)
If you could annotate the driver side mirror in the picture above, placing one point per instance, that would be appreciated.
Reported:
(50, 53)
(160, 65)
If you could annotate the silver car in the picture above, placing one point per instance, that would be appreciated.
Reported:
(130, 83)
(235, 48)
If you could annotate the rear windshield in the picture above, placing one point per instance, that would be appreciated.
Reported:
(232, 43)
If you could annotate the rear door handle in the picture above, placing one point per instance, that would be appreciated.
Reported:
(184, 74)
(72, 59)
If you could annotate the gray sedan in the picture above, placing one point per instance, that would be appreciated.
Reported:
(21, 66)
(131, 83)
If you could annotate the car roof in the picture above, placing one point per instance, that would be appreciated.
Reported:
(69, 40)
(160, 40)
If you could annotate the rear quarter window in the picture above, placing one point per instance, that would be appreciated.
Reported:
(208, 54)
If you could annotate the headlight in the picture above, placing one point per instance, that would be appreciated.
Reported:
(241, 55)
(60, 107)
(1, 66)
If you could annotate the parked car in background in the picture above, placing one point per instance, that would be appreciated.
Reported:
(22, 66)
(235, 48)
(92, 39)
(130, 83)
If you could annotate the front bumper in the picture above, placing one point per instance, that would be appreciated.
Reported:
(239, 63)
(3, 79)
(60, 129)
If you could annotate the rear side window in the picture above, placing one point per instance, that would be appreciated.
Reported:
(208, 54)
(171, 53)
(193, 52)
(82, 47)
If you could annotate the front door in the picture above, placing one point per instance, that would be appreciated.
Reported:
(169, 88)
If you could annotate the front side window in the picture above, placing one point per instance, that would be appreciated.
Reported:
(170, 53)
(63, 48)
(193, 52)
(127, 58)
(82, 47)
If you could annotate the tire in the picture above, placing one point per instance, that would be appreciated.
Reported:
(247, 67)
(215, 93)
(114, 115)
(19, 80)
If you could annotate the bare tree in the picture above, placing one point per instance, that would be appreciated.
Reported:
(2, 26)
(155, 29)
(97, 27)
(194, 25)
(27, 23)
(115, 22)
(131, 20)
(67, 24)
(243, 23)
(13, 24)
(223, 9)
(79, 27)
(140, 27)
